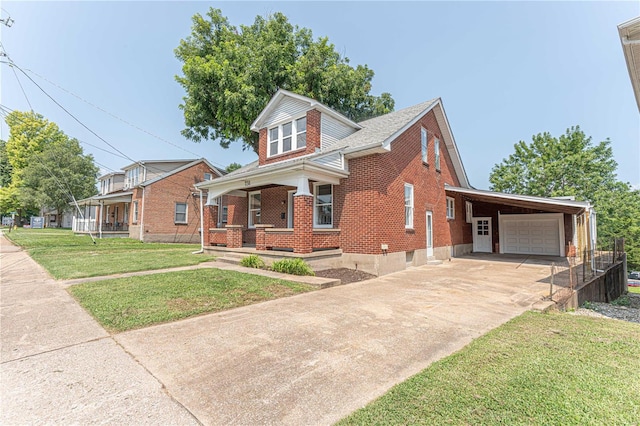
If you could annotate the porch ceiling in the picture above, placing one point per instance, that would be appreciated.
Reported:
(537, 203)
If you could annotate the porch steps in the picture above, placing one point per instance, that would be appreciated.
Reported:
(433, 261)
(232, 257)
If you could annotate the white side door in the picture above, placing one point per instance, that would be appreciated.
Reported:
(482, 234)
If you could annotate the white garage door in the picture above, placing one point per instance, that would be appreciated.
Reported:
(531, 234)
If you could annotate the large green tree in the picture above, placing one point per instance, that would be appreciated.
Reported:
(230, 73)
(573, 165)
(42, 166)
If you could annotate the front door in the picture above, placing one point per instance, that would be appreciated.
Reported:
(429, 234)
(482, 234)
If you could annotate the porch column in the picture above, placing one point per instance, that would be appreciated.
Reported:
(234, 236)
(303, 223)
(210, 220)
(261, 236)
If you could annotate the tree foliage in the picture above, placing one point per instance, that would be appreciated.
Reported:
(573, 165)
(44, 167)
(230, 73)
(231, 167)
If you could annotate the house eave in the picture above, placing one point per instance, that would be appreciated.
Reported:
(525, 201)
(629, 33)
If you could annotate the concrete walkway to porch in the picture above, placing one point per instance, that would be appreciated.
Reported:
(316, 357)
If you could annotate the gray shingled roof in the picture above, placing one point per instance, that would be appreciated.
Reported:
(379, 129)
(374, 132)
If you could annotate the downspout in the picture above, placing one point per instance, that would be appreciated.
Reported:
(100, 220)
(201, 226)
(142, 217)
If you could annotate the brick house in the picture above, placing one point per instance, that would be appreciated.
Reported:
(379, 195)
(152, 201)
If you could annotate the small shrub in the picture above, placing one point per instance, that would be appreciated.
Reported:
(622, 301)
(252, 261)
(589, 305)
(292, 266)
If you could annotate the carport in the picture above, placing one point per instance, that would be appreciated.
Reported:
(521, 224)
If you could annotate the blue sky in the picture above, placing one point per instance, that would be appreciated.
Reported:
(505, 70)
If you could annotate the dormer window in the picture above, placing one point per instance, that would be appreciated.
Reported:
(289, 136)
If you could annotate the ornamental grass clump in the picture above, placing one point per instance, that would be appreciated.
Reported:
(252, 261)
(293, 267)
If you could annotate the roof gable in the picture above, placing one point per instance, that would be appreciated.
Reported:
(298, 104)
(179, 169)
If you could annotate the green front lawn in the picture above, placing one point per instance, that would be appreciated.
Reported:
(634, 290)
(128, 303)
(67, 256)
(536, 369)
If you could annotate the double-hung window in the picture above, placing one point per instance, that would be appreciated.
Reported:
(180, 215)
(408, 205)
(254, 209)
(423, 144)
(135, 212)
(288, 136)
(451, 208)
(436, 148)
(323, 206)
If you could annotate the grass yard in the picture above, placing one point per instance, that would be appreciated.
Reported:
(634, 290)
(536, 369)
(128, 303)
(67, 256)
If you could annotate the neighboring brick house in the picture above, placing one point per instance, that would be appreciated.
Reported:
(384, 193)
(152, 201)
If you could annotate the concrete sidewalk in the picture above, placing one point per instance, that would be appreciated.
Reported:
(58, 366)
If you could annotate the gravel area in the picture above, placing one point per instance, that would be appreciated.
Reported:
(345, 275)
(626, 308)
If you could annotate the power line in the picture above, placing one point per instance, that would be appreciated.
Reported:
(118, 118)
(6, 55)
(13, 64)
(80, 122)
(4, 109)
(70, 114)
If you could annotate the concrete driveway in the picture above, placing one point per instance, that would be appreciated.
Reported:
(316, 357)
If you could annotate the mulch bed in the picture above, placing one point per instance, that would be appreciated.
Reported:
(345, 275)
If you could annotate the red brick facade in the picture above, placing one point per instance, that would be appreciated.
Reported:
(156, 212)
(368, 206)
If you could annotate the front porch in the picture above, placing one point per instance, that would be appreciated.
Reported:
(291, 211)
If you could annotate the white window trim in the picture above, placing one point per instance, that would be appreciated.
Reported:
(249, 224)
(315, 204)
(436, 149)
(135, 212)
(468, 207)
(409, 224)
(175, 213)
(210, 176)
(294, 136)
(424, 145)
(451, 211)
